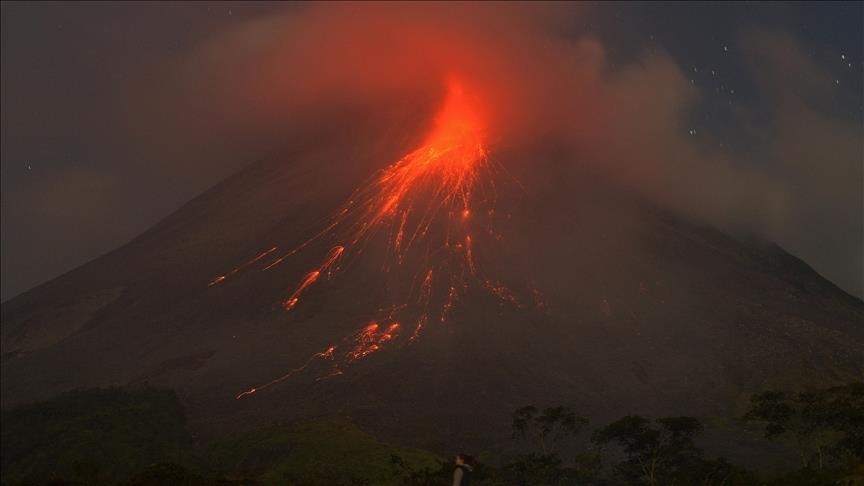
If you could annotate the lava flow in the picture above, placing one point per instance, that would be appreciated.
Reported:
(312, 277)
(423, 205)
(326, 354)
(261, 255)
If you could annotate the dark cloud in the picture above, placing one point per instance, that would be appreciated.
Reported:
(185, 117)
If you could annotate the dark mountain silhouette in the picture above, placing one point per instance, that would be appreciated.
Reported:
(643, 312)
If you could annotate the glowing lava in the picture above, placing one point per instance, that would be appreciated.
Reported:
(326, 266)
(437, 177)
(422, 205)
(232, 272)
(326, 354)
(370, 339)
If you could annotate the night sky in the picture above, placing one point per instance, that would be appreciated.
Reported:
(114, 115)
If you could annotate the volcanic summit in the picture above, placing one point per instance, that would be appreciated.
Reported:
(432, 297)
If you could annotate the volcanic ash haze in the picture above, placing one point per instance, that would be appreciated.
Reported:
(439, 249)
(791, 173)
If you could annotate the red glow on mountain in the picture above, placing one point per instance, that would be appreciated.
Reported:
(423, 206)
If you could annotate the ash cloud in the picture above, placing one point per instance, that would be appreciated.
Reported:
(799, 185)
(243, 89)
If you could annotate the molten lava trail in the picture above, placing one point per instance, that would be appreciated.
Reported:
(326, 354)
(221, 278)
(326, 267)
(423, 206)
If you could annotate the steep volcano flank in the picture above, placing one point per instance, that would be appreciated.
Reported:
(427, 210)
(640, 312)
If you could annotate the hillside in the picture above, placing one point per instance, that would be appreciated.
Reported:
(636, 311)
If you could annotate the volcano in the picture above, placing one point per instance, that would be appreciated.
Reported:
(431, 299)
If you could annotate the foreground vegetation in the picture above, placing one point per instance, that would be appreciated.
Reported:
(92, 435)
(824, 426)
(139, 437)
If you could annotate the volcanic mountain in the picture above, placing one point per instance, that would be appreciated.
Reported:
(269, 297)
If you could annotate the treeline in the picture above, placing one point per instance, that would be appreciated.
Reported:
(139, 437)
(825, 426)
(630, 450)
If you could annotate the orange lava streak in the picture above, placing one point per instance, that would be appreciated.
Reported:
(370, 339)
(502, 292)
(309, 241)
(332, 258)
(222, 278)
(312, 277)
(326, 354)
(423, 302)
(400, 233)
(469, 255)
(426, 288)
(337, 372)
(421, 321)
(452, 295)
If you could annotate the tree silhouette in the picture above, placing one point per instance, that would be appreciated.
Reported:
(653, 452)
(544, 430)
(821, 422)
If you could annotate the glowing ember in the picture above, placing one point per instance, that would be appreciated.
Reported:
(221, 278)
(326, 354)
(423, 303)
(370, 339)
(422, 203)
(312, 277)
(502, 292)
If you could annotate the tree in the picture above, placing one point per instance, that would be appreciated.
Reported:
(821, 422)
(654, 452)
(536, 469)
(843, 411)
(713, 472)
(545, 430)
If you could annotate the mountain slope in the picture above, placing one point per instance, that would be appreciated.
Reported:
(637, 312)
